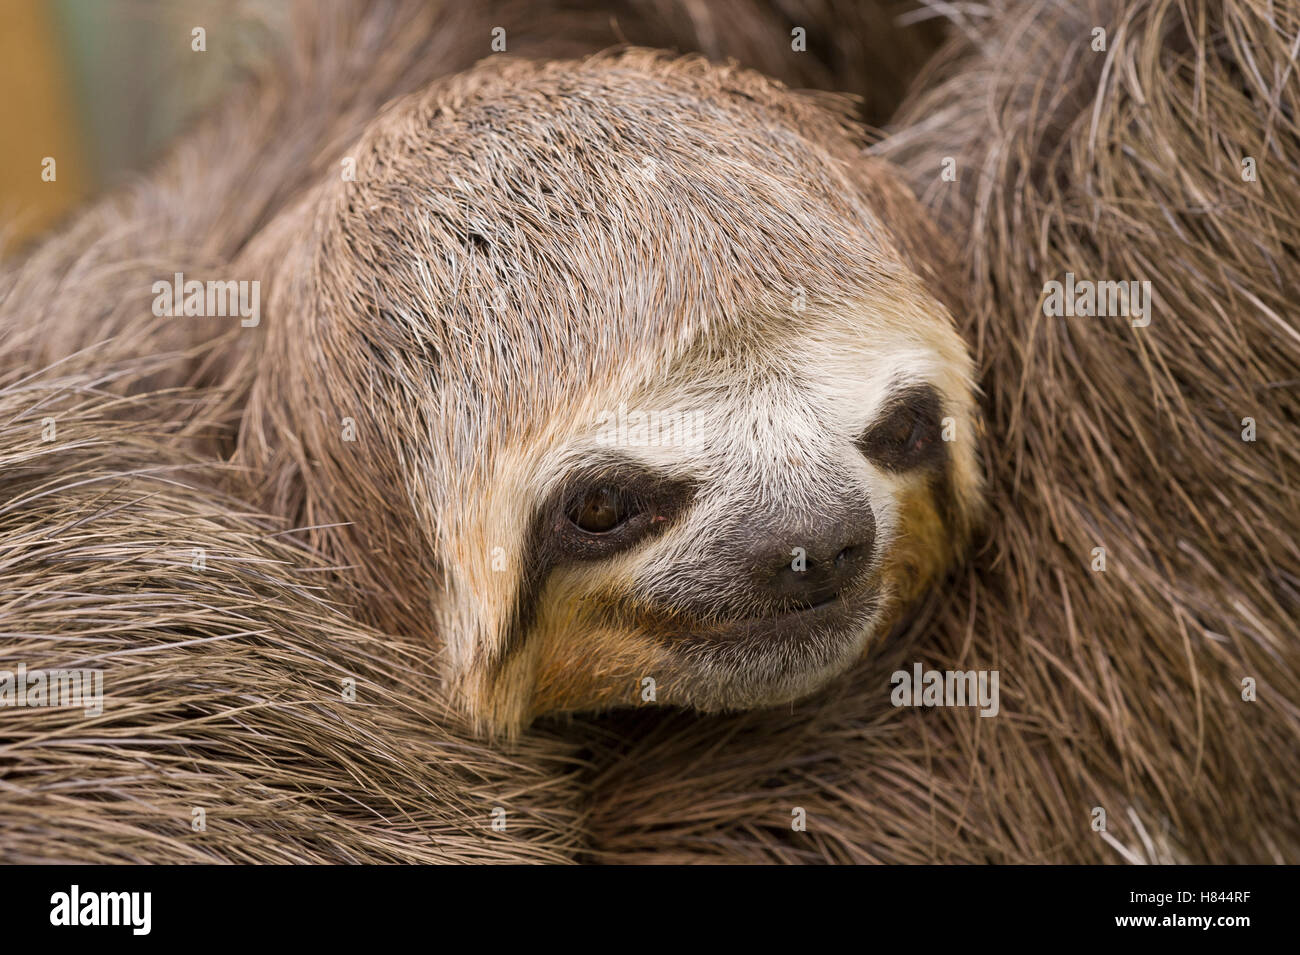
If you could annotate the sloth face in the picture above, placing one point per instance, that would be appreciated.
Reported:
(650, 382)
(749, 523)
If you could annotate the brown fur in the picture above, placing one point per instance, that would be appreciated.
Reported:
(1120, 690)
(224, 685)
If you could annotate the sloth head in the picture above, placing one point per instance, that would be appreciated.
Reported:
(633, 368)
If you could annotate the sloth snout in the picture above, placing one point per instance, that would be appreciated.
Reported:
(813, 566)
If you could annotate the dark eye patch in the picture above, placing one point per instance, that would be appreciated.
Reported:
(907, 433)
(645, 502)
(651, 503)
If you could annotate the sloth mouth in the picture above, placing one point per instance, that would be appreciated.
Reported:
(832, 614)
(799, 609)
(827, 621)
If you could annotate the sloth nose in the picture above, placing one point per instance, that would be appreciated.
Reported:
(810, 566)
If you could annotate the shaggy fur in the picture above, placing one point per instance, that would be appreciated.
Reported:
(1120, 690)
(337, 64)
(224, 682)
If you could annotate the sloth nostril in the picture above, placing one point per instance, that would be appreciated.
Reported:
(829, 560)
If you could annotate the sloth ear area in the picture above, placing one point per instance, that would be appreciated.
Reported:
(925, 248)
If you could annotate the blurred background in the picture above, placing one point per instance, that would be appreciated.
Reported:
(101, 86)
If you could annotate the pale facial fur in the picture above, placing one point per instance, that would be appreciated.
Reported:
(775, 419)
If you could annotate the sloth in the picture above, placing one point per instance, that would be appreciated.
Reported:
(535, 272)
(522, 253)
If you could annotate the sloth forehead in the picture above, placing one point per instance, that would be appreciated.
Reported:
(769, 405)
(558, 216)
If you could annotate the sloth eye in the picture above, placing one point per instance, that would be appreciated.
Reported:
(605, 509)
(601, 510)
(907, 436)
